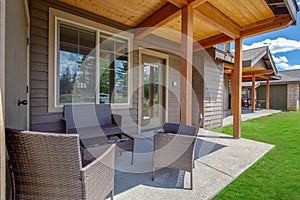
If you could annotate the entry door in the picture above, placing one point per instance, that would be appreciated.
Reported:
(16, 59)
(153, 94)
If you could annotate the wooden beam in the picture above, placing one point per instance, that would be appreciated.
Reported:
(159, 18)
(253, 94)
(228, 66)
(257, 78)
(258, 72)
(268, 94)
(179, 3)
(279, 22)
(197, 3)
(215, 17)
(259, 23)
(186, 66)
(211, 41)
(248, 74)
(262, 77)
(237, 88)
(183, 3)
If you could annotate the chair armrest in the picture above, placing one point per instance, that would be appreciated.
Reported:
(116, 119)
(98, 176)
(163, 138)
(65, 125)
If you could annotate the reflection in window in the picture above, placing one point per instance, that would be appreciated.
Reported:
(76, 64)
(113, 69)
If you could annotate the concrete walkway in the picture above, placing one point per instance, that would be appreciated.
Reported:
(249, 115)
(219, 159)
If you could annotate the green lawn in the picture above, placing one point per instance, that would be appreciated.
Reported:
(277, 174)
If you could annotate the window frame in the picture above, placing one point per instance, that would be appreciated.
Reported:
(54, 17)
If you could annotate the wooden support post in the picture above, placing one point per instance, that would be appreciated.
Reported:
(151, 92)
(186, 67)
(268, 94)
(237, 88)
(253, 94)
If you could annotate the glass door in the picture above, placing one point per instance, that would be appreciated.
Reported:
(153, 108)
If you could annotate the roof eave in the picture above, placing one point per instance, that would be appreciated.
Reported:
(292, 8)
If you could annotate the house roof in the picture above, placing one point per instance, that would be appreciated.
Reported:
(287, 77)
(256, 61)
(252, 56)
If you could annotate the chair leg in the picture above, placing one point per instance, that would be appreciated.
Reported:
(112, 195)
(191, 179)
(153, 169)
(153, 175)
(132, 158)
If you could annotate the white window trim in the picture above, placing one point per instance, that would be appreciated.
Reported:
(54, 16)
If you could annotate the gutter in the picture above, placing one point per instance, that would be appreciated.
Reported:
(293, 8)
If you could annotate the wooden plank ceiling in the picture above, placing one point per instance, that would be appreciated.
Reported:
(215, 21)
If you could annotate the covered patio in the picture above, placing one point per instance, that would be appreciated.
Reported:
(219, 159)
(178, 31)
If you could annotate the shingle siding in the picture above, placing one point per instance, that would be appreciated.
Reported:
(213, 93)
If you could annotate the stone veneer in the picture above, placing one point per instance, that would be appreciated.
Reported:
(293, 97)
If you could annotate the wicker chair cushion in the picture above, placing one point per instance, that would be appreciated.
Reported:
(171, 128)
(179, 129)
(186, 130)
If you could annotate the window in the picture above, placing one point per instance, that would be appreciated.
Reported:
(92, 66)
(76, 65)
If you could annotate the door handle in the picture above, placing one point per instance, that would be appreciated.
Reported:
(23, 102)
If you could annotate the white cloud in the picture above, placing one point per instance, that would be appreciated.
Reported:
(282, 63)
(278, 45)
(298, 2)
(280, 59)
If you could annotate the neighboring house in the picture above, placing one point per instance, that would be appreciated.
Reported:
(258, 65)
(284, 93)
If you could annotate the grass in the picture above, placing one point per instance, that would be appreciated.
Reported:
(277, 174)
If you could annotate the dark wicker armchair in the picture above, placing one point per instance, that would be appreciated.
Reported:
(48, 166)
(174, 148)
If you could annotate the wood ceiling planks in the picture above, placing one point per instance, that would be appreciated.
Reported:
(172, 30)
(243, 12)
(128, 12)
(234, 18)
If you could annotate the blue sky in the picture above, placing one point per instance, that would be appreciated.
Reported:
(284, 45)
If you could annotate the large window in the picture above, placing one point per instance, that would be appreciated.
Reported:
(91, 65)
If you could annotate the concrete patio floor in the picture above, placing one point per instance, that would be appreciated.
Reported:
(219, 159)
(247, 114)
